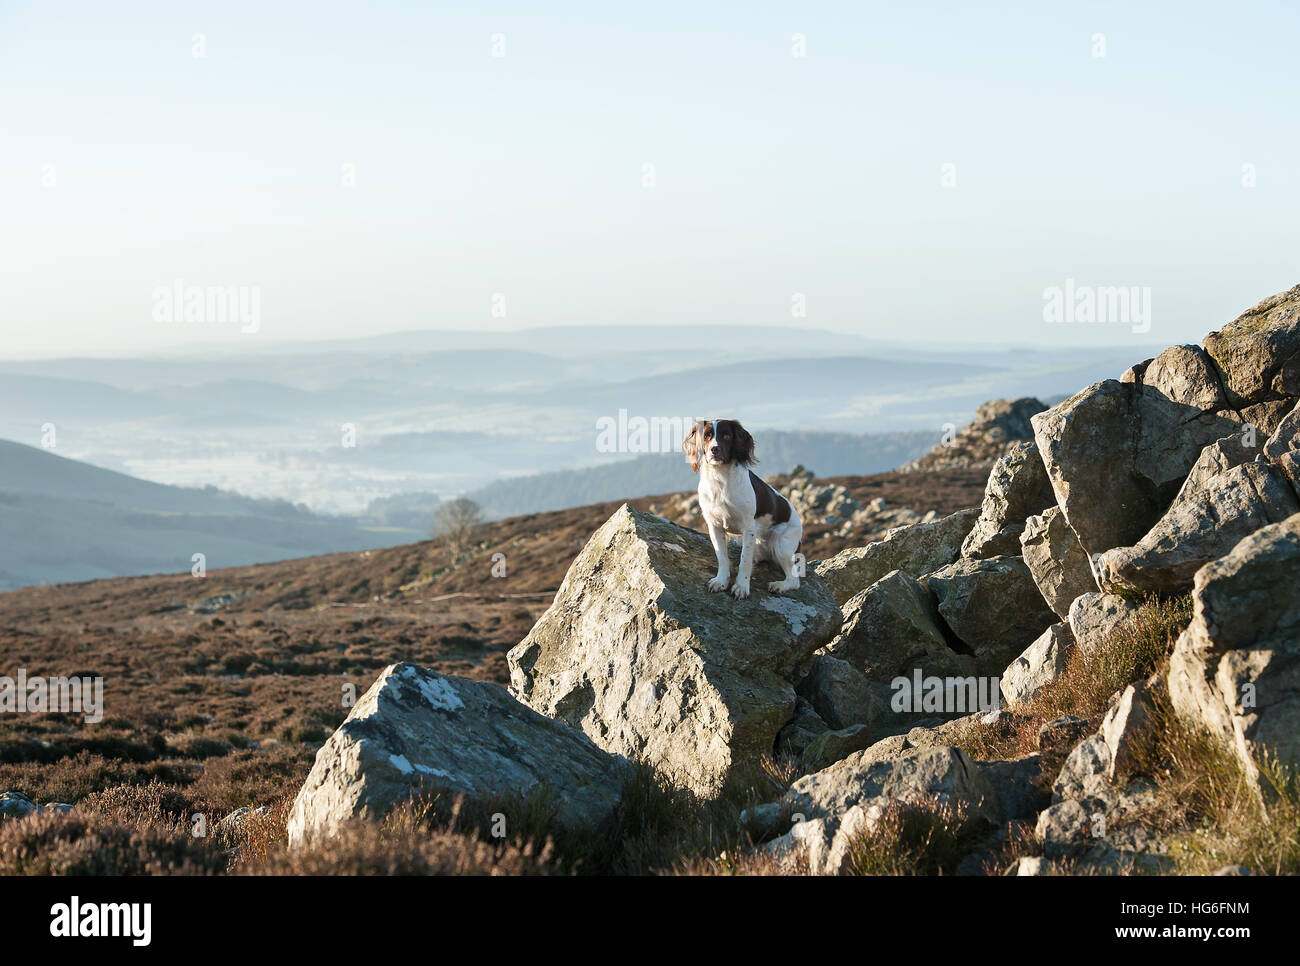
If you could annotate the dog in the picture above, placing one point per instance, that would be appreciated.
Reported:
(735, 500)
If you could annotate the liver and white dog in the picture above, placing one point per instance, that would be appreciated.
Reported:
(733, 499)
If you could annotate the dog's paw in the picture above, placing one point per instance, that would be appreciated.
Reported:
(741, 589)
(781, 587)
(717, 584)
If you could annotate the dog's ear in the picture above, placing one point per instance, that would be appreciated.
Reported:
(743, 447)
(691, 447)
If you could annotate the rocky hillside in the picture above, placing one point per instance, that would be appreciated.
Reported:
(1084, 667)
(919, 677)
(997, 425)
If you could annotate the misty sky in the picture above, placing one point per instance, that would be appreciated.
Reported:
(127, 162)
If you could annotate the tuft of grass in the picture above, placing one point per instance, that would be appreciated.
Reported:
(1209, 805)
(920, 837)
(406, 842)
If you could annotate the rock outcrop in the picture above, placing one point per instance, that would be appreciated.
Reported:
(1234, 668)
(638, 654)
(1201, 528)
(992, 606)
(893, 628)
(1257, 355)
(1117, 453)
(997, 425)
(1017, 489)
(918, 549)
(1094, 617)
(419, 732)
(1219, 457)
(833, 805)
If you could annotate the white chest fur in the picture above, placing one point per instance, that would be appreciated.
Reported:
(727, 497)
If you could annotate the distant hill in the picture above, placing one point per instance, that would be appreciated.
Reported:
(62, 520)
(827, 454)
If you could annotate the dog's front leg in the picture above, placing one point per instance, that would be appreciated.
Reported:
(741, 589)
(719, 537)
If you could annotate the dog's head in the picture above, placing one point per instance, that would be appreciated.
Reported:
(718, 442)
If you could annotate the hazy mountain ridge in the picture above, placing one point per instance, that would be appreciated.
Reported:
(63, 520)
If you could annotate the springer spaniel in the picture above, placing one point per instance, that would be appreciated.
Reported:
(733, 499)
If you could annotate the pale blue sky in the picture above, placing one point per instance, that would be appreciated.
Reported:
(522, 174)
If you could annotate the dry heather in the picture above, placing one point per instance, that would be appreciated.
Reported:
(219, 691)
(1204, 809)
(129, 824)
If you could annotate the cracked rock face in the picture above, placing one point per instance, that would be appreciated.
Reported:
(1017, 489)
(1235, 667)
(419, 732)
(993, 606)
(638, 654)
(1056, 560)
(1201, 528)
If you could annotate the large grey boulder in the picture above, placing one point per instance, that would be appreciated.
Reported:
(1085, 774)
(1201, 528)
(419, 732)
(638, 654)
(1117, 452)
(893, 628)
(1234, 669)
(16, 805)
(1056, 560)
(1257, 355)
(1041, 663)
(1185, 374)
(846, 799)
(916, 549)
(937, 773)
(1017, 488)
(1088, 445)
(993, 606)
(1094, 617)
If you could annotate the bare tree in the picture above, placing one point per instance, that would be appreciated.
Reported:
(455, 521)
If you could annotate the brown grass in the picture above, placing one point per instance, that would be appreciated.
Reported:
(924, 837)
(1090, 678)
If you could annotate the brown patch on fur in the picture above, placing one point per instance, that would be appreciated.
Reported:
(768, 502)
